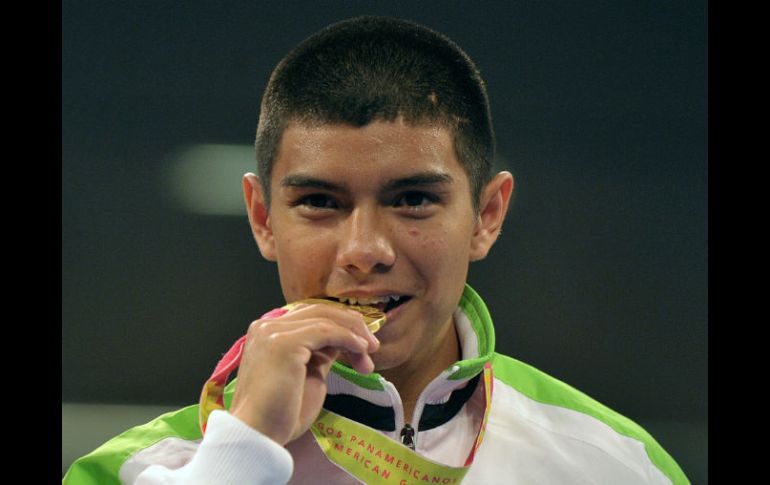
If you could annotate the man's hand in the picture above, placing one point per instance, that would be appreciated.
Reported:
(282, 377)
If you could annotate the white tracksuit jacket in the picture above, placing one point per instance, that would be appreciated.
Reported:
(539, 431)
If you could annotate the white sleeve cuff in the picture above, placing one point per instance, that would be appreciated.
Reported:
(231, 452)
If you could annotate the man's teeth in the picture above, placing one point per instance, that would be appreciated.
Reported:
(369, 301)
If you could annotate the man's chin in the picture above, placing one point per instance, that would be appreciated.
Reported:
(381, 364)
(385, 361)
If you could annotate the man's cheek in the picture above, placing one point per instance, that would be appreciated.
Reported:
(434, 252)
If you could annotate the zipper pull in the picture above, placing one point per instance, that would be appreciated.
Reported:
(407, 436)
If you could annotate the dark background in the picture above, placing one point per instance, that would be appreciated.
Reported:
(599, 278)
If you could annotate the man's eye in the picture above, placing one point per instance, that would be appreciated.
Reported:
(317, 201)
(414, 199)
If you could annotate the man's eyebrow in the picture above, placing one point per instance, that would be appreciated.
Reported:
(415, 180)
(307, 181)
(418, 180)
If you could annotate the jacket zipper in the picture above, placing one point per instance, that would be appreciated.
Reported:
(408, 433)
(407, 436)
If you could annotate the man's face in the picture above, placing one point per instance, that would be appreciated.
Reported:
(374, 213)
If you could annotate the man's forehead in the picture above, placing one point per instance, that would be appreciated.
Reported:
(399, 147)
(396, 134)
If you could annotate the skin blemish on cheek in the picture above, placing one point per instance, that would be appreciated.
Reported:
(413, 231)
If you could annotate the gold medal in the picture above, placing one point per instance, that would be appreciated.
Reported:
(373, 317)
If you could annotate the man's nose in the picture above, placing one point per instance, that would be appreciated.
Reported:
(365, 244)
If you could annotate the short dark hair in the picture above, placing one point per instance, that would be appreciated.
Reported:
(379, 68)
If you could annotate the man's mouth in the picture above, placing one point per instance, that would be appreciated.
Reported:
(382, 303)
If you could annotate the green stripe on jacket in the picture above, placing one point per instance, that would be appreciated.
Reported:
(541, 387)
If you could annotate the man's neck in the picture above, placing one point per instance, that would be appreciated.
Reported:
(411, 378)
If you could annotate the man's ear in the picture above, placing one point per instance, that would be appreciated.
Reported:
(259, 218)
(493, 205)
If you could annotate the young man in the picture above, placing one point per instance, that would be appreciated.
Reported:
(374, 152)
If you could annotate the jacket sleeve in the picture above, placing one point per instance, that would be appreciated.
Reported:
(231, 452)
